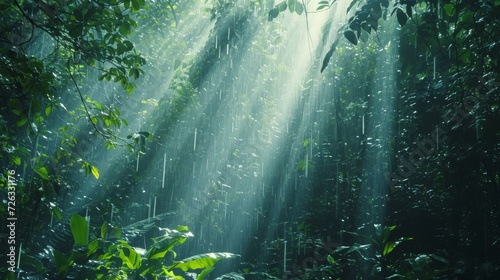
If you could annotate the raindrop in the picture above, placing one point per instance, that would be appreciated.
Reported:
(164, 167)
(307, 165)
(194, 142)
(154, 208)
(434, 70)
(284, 256)
(137, 164)
(363, 125)
(225, 206)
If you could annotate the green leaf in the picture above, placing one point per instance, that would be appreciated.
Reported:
(204, 273)
(349, 35)
(94, 171)
(182, 228)
(353, 2)
(15, 159)
(330, 259)
(402, 18)
(291, 5)
(48, 110)
(389, 246)
(386, 231)
(282, 6)
(273, 13)
(57, 212)
(135, 5)
(104, 230)
(62, 264)
(164, 244)
(80, 229)
(329, 55)
(93, 246)
(130, 257)
(117, 232)
(299, 8)
(43, 172)
(449, 9)
(321, 7)
(201, 261)
(21, 122)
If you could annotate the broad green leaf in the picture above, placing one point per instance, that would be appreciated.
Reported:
(43, 172)
(80, 229)
(62, 264)
(402, 18)
(93, 246)
(299, 8)
(16, 160)
(204, 273)
(282, 6)
(349, 35)
(22, 122)
(164, 244)
(130, 257)
(273, 13)
(449, 9)
(202, 261)
(291, 5)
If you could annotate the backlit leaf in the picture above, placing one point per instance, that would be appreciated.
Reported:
(94, 171)
(43, 172)
(80, 229)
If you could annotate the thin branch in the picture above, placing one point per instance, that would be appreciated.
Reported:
(84, 102)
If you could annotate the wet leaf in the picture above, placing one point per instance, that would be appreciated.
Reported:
(43, 172)
(349, 35)
(327, 57)
(94, 171)
(80, 229)
(402, 18)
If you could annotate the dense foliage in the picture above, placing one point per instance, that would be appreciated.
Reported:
(388, 167)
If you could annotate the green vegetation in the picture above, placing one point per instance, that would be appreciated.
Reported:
(378, 159)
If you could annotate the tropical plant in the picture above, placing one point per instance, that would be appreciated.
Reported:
(376, 258)
(109, 256)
